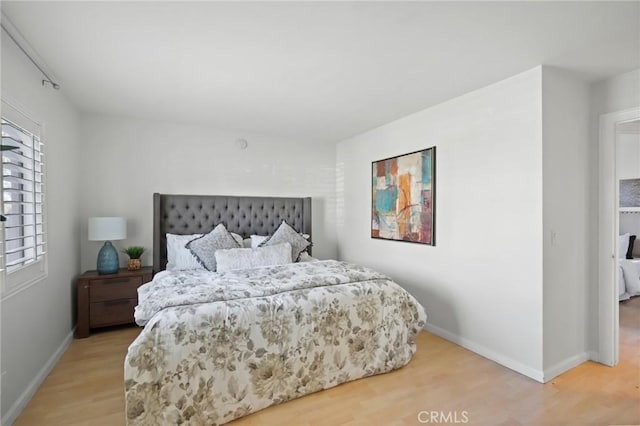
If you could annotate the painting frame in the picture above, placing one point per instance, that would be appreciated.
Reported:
(403, 197)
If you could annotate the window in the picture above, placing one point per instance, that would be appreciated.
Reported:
(24, 236)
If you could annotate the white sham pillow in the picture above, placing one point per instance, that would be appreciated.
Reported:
(256, 240)
(623, 245)
(631, 271)
(179, 257)
(238, 238)
(622, 290)
(306, 257)
(247, 258)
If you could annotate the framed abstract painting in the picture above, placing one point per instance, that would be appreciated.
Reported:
(403, 197)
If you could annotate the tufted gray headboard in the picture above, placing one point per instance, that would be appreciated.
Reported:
(199, 214)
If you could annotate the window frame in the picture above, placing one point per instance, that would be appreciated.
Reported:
(25, 275)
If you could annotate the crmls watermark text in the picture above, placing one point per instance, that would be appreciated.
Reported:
(443, 417)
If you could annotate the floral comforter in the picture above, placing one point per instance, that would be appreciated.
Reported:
(218, 346)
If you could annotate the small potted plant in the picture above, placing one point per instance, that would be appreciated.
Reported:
(134, 253)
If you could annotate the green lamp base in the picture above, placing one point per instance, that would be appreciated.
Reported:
(108, 262)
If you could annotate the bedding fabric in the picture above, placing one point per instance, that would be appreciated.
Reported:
(218, 346)
(622, 289)
(630, 276)
(246, 258)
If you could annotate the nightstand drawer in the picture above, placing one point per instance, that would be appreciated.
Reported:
(114, 288)
(112, 312)
(105, 300)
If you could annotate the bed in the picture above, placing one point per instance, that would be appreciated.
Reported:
(219, 345)
(628, 278)
(628, 268)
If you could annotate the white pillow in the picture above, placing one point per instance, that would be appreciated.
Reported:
(178, 256)
(622, 290)
(238, 238)
(256, 240)
(246, 258)
(623, 245)
(631, 270)
(306, 257)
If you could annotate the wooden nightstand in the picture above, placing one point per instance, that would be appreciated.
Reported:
(105, 300)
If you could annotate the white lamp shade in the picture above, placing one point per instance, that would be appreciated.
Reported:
(107, 228)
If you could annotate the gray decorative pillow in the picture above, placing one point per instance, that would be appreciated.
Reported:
(286, 234)
(204, 248)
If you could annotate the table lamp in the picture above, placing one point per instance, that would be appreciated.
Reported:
(107, 229)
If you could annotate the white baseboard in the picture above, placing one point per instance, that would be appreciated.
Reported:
(537, 375)
(565, 365)
(14, 411)
(516, 366)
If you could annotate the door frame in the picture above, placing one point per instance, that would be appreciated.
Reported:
(608, 218)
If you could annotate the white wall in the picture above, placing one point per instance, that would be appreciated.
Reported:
(630, 223)
(566, 219)
(628, 156)
(126, 160)
(37, 322)
(615, 94)
(482, 282)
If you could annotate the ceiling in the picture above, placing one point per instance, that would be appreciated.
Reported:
(314, 70)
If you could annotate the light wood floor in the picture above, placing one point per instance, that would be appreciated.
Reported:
(86, 388)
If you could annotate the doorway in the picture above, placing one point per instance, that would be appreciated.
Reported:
(609, 227)
(628, 176)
